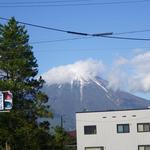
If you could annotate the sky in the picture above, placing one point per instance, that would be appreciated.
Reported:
(115, 16)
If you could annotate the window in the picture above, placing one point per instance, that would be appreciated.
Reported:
(124, 116)
(94, 148)
(123, 128)
(113, 116)
(143, 127)
(104, 117)
(144, 147)
(90, 129)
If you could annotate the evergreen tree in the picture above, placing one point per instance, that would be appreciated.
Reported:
(20, 129)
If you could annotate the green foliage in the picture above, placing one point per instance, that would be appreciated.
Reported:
(18, 70)
(60, 137)
(62, 140)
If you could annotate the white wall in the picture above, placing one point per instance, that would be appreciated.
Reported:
(107, 135)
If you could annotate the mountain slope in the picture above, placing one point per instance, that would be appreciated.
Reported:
(78, 87)
(66, 99)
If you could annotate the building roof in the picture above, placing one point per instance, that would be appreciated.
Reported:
(72, 134)
(148, 108)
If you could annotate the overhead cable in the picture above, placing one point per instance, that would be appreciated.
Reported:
(127, 38)
(34, 25)
(105, 34)
(131, 32)
(71, 4)
(61, 30)
(58, 40)
(44, 2)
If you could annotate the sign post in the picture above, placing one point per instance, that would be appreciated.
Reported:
(1, 101)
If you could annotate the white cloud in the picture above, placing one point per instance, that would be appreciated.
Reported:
(141, 77)
(79, 70)
(131, 74)
(117, 75)
(121, 61)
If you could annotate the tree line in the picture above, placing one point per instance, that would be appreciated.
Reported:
(21, 129)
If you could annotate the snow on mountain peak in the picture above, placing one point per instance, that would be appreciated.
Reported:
(81, 71)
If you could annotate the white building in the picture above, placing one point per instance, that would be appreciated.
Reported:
(113, 130)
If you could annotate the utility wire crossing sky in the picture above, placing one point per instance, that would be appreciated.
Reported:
(67, 3)
(67, 31)
(105, 34)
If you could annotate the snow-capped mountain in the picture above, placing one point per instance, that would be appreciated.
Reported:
(78, 87)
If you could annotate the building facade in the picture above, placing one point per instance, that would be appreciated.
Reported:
(113, 130)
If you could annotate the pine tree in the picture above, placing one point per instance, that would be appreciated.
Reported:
(20, 129)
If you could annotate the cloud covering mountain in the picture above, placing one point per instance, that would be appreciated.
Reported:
(80, 70)
(79, 86)
(128, 74)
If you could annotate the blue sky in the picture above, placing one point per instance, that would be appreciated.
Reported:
(91, 19)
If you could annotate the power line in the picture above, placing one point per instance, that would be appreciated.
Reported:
(38, 26)
(76, 4)
(119, 33)
(131, 32)
(127, 38)
(61, 30)
(59, 40)
(79, 33)
(101, 49)
(72, 39)
(104, 35)
(44, 2)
